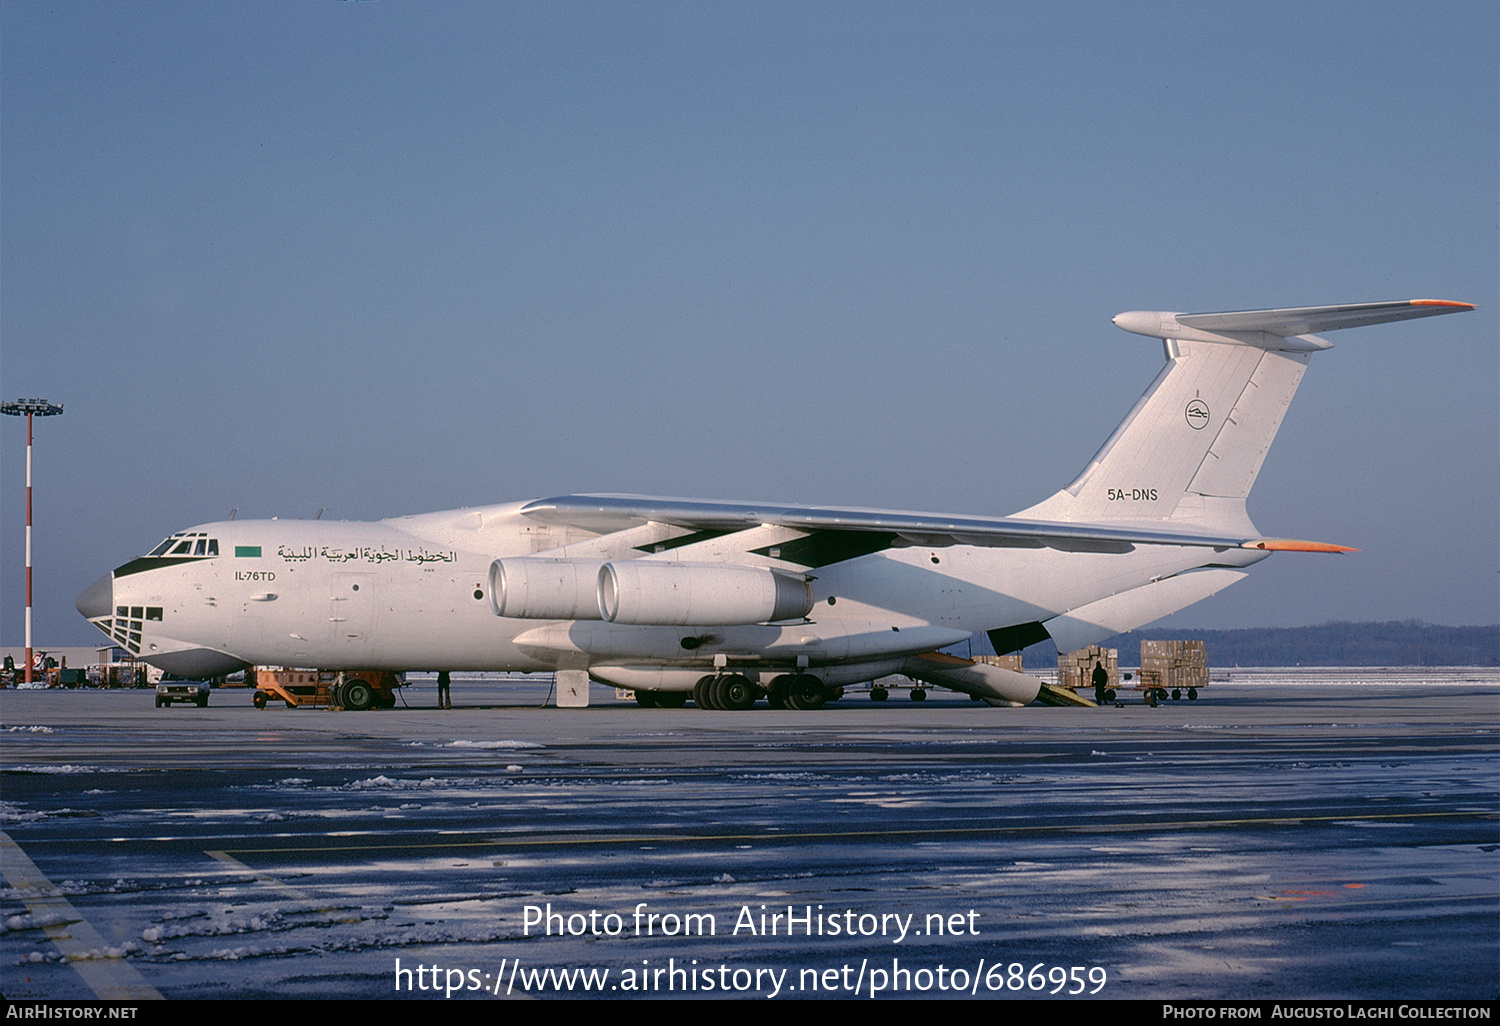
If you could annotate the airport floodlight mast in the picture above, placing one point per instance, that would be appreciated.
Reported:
(31, 408)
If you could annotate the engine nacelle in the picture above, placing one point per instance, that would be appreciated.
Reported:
(546, 589)
(640, 591)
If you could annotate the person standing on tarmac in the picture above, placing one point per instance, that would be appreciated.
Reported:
(445, 701)
(1101, 681)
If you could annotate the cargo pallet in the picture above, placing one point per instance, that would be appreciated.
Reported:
(1174, 667)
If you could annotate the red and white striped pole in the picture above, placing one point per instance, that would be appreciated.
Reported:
(32, 408)
(28, 546)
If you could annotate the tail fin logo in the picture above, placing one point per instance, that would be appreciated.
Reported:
(1197, 414)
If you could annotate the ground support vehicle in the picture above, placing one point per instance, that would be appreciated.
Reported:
(331, 689)
(176, 689)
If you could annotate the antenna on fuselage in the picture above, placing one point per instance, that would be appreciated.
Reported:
(232, 513)
(319, 514)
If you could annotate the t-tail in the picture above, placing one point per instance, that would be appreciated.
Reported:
(1189, 451)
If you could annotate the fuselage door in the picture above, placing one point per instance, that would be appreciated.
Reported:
(351, 613)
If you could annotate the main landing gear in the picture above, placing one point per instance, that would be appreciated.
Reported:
(733, 692)
(728, 692)
(801, 691)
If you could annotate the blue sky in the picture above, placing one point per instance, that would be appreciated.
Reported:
(390, 257)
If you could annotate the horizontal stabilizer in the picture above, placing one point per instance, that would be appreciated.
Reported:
(1306, 320)
(1287, 323)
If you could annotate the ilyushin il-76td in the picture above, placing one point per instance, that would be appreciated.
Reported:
(729, 602)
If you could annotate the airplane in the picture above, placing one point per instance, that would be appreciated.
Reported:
(729, 602)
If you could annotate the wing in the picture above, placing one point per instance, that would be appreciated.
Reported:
(836, 534)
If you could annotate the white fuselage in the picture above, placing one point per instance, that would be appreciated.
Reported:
(412, 593)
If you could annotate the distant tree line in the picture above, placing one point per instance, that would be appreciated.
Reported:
(1397, 643)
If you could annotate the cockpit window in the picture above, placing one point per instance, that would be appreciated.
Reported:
(196, 543)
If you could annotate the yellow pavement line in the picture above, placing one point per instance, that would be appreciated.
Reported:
(110, 978)
(267, 880)
(264, 879)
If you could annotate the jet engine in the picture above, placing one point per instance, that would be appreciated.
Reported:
(642, 591)
(546, 589)
(646, 592)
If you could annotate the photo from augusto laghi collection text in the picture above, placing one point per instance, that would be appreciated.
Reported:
(885, 969)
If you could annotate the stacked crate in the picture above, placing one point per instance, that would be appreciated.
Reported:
(1076, 669)
(1173, 665)
(1009, 662)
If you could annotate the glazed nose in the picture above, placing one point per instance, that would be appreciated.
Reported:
(98, 599)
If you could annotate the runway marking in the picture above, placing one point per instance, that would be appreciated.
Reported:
(264, 879)
(110, 978)
(1134, 827)
(267, 880)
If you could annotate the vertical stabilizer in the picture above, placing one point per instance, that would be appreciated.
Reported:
(1191, 448)
(1193, 445)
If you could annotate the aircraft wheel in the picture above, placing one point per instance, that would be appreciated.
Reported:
(918, 695)
(1176, 694)
(358, 695)
(703, 693)
(671, 699)
(734, 692)
(645, 699)
(259, 700)
(806, 692)
(879, 694)
(777, 693)
(1192, 694)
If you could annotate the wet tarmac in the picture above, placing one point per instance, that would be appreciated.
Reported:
(1292, 834)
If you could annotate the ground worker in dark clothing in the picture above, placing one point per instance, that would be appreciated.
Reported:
(445, 701)
(1101, 681)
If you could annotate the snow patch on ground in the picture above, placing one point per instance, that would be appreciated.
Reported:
(493, 744)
